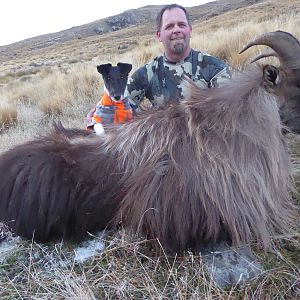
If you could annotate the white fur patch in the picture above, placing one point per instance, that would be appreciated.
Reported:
(99, 129)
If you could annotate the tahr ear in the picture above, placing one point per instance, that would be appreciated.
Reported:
(124, 68)
(271, 76)
(104, 68)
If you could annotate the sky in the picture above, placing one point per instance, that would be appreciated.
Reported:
(23, 19)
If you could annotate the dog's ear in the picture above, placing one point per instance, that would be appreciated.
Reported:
(124, 68)
(104, 68)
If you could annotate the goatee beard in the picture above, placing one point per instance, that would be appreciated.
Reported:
(179, 48)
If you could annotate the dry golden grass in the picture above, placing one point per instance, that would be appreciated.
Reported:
(8, 114)
(227, 40)
(128, 269)
(61, 90)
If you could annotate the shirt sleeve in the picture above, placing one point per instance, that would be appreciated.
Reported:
(220, 77)
(136, 87)
(214, 71)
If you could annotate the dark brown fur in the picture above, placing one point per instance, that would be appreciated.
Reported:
(50, 188)
(210, 168)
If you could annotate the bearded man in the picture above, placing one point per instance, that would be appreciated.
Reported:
(160, 80)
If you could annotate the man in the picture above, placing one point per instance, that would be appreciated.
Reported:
(160, 80)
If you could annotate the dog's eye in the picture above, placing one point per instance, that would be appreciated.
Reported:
(109, 78)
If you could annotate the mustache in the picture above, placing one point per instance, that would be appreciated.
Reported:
(178, 37)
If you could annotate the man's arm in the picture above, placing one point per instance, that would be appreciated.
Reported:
(220, 77)
(214, 70)
(136, 87)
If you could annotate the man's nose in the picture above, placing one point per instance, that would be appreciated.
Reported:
(176, 28)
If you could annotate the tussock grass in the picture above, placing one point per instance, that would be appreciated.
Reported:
(226, 42)
(8, 114)
(53, 93)
(145, 53)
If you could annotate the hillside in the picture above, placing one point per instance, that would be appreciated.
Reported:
(82, 43)
(133, 17)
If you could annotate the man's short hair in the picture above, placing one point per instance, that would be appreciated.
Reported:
(170, 6)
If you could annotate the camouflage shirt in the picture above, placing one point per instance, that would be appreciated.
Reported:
(161, 80)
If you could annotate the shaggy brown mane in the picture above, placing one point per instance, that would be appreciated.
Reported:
(221, 184)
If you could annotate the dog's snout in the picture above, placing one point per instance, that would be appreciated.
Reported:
(117, 98)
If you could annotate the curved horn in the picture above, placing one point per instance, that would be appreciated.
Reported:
(285, 45)
(263, 55)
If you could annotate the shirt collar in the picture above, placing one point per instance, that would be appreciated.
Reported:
(188, 58)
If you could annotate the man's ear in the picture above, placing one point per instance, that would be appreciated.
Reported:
(124, 68)
(104, 68)
(158, 35)
(270, 75)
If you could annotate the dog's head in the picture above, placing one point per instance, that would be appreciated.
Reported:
(115, 79)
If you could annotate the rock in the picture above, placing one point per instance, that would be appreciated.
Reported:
(98, 30)
(8, 243)
(230, 267)
(122, 47)
(89, 249)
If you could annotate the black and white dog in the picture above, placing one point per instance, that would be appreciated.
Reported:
(113, 108)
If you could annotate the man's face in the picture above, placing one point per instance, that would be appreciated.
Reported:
(175, 32)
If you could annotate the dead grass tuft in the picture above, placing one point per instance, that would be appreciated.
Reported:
(145, 53)
(8, 114)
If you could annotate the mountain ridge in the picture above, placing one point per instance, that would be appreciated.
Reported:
(129, 18)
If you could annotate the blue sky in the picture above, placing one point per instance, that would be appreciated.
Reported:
(22, 19)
